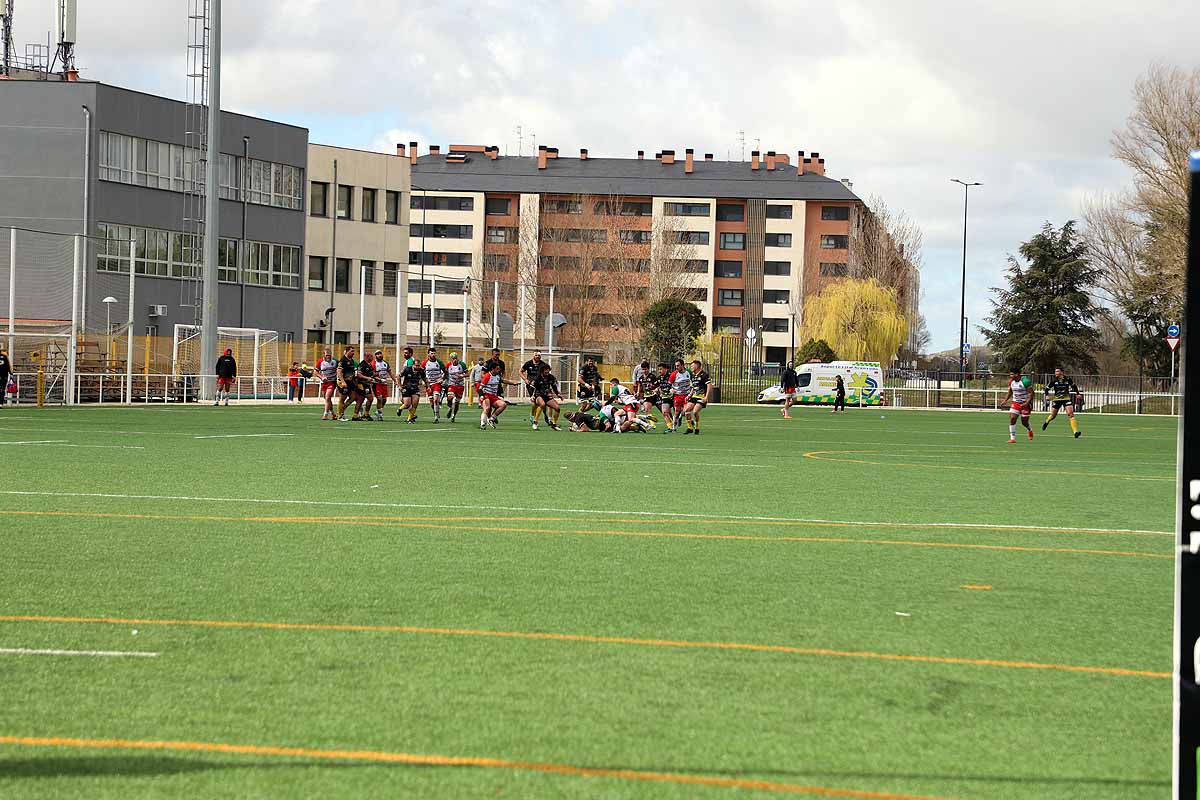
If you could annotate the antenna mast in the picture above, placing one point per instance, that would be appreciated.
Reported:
(741, 140)
(66, 14)
(6, 19)
(520, 141)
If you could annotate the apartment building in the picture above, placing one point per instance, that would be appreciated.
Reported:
(86, 157)
(748, 240)
(355, 279)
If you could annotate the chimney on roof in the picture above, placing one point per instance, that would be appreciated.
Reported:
(687, 161)
(770, 161)
(583, 154)
(641, 154)
(551, 152)
(708, 156)
(849, 184)
(435, 149)
(668, 156)
(799, 163)
(493, 152)
(412, 153)
(541, 156)
(781, 159)
(754, 160)
(818, 164)
(400, 149)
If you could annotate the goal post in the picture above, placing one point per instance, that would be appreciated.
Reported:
(256, 351)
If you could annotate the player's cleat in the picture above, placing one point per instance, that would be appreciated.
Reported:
(697, 431)
(1045, 425)
(554, 427)
(534, 425)
(400, 412)
(491, 423)
(1012, 440)
(325, 415)
(1031, 436)
(1078, 434)
(379, 416)
(533, 420)
(226, 402)
(686, 431)
(436, 419)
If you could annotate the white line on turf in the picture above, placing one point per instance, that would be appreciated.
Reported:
(595, 511)
(656, 461)
(28, 651)
(242, 435)
(45, 441)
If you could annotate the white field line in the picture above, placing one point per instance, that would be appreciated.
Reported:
(594, 511)
(424, 430)
(27, 651)
(242, 435)
(656, 461)
(45, 441)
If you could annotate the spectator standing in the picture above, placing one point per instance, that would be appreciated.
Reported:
(788, 382)
(839, 395)
(226, 370)
(293, 381)
(477, 375)
(306, 372)
(5, 376)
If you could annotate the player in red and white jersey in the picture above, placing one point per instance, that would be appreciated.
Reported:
(1020, 404)
(490, 401)
(327, 368)
(435, 377)
(455, 386)
(383, 383)
(681, 387)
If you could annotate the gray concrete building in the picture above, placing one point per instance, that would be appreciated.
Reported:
(79, 156)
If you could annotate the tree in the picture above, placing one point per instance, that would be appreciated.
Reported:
(818, 349)
(1046, 317)
(860, 319)
(670, 328)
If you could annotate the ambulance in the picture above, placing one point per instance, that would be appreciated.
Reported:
(863, 380)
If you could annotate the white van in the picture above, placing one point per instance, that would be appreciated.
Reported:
(863, 379)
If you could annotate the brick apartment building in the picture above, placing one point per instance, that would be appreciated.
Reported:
(748, 240)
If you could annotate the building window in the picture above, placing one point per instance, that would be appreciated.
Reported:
(731, 212)
(776, 296)
(391, 209)
(691, 237)
(495, 262)
(563, 207)
(594, 235)
(442, 203)
(626, 209)
(152, 330)
(448, 315)
(368, 277)
(153, 252)
(840, 213)
(368, 337)
(228, 173)
(441, 259)
(777, 268)
(416, 286)
(727, 325)
(387, 338)
(316, 272)
(834, 270)
(733, 241)
(636, 237)
(345, 201)
(727, 269)
(729, 297)
(686, 209)
(497, 206)
(391, 278)
(779, 212)
(275, 265)
(314, 336)
(496, 235)
(341, 337)
(774, 325)
(341, 276)
(694, 265)
(418, 314)
(368, 205)
(560, 262)
(318, 199)
(441, 231)
(697, 294)
(227, 259)
(779, 240)
(835, 242)
(450, 287)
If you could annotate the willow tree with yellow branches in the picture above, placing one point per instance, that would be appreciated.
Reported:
(861, 320)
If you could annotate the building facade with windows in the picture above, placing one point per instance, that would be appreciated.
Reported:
(82, 156)
(357, 246)
(747, 241)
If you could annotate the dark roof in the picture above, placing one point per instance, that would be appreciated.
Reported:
(624, 176)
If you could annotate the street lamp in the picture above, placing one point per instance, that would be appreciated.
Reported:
(421, 316)
(108, 304)
(962, 313)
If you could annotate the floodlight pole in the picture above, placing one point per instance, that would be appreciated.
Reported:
(212, 206)
(962, 311)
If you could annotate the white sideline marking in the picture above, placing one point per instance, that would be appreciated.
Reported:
(242, 435)
(605, 512)
(26, 651)
(47, 441)
(674, 463)
(425, 430)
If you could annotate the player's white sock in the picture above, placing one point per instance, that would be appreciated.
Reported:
(1012, 431)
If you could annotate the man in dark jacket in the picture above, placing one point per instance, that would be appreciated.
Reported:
(226, 371)
(5, 374)
(788, 382)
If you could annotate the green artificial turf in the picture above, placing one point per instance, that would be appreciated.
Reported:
(427, 537)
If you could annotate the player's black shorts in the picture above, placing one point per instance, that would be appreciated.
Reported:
(585, 393)
(700, 401)
(545, 398)
(652, 399)
(410, 391)
(1058, 404)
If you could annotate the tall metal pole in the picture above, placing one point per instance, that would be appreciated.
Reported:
(421, 316)
(333, 250)
(496, 314)
(212, 206)
(12, 289)
(466, 311)
(73, 342)
(129, 323)
(362, 308)
(550, 327)
(962, 311)
(87, 216)
(432, 307)
(242, 261)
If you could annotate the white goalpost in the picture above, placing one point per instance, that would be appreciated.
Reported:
(256, 351)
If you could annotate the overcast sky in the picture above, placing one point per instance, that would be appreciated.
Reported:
(898, 97)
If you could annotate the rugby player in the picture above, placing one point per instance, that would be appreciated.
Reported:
(663, 380)
(226, 371)
(410, 388)
(647, 389)
(546, 396)
(327, 368)
(435, 377)
(382, 385)
(366, 384)
(588, 383)
(698, 398)
(476, 377)
(788, 383)
(531, 370)
(582, 423)
(681, 388)
(490, 401)
(1020, 404)
(1062, 393)
(456, 384)
(347, 383)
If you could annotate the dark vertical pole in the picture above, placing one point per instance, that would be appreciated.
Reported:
(962, 309)
(242, 247)
(333, 248)
(421, 314)
(1187, 560)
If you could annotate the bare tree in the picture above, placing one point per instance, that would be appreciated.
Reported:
(886, 246)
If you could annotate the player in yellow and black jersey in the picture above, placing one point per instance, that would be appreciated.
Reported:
(1062, 392)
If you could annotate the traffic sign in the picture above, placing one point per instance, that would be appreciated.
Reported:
(751, 334)
(966, 347)
(1173, 343)
(1172, 331)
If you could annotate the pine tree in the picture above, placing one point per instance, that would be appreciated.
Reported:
(1045, 318)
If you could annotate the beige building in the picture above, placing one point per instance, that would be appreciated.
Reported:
(355, 281)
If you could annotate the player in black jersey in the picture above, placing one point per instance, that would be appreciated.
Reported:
(546, 397)
(699, 397)
(646, 386)
(582, 423)
(1062, 392)
(366, 385)
(662, 382)
(410, 389)
(347, 384)
(588, 383)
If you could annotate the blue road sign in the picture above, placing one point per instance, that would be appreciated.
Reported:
(966, 347)
(1173, 331)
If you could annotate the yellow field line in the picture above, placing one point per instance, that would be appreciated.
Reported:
(386, 523)
(828, 455)
(375, 756)
(577, 637)
(982, 587)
